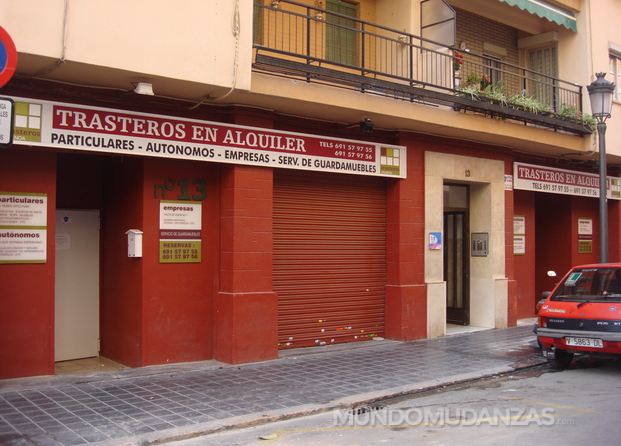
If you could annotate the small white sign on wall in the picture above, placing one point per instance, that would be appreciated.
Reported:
(23, 228)
(519, 235)
(585, 226)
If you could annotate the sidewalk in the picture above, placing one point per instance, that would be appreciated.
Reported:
(154, 404)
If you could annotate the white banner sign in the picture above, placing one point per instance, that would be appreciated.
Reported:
(560, 181)
(78, 127)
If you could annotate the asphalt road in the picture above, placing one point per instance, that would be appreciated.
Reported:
(577, 406)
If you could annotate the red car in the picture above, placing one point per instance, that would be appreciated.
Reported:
(582, 314)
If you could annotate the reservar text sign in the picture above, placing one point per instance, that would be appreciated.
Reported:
(68, 126)
(560, 181)
(180, 231)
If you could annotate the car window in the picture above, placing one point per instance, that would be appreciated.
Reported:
(588, 283)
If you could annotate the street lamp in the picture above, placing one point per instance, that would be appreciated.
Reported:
(600, 93)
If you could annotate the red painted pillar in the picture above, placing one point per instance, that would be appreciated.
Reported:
(246, 308)
(27, 289)
(406, 291)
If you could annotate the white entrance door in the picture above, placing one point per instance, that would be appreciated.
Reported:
(77, 284)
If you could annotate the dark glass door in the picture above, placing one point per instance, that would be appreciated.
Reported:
(456, 266)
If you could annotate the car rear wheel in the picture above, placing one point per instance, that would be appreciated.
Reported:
(558, 359)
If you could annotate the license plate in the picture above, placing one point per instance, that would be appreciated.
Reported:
(584, 342)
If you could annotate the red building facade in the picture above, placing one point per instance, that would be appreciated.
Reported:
(280, 256)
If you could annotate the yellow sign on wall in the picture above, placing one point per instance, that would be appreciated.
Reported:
(180, 231)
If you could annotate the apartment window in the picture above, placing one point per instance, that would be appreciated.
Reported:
(541, 86)
(493, 65)
(257, 21)
(340, 32)
(493, 56)
(544, 60)
(615, 74)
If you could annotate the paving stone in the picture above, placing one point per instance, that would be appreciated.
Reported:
(127, 404)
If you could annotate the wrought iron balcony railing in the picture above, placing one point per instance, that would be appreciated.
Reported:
(292, 39)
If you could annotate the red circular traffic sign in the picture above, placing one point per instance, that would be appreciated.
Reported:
(8, 57)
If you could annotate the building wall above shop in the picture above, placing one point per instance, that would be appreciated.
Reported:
(139, 40)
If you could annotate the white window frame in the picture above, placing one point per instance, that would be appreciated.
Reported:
(614, 72)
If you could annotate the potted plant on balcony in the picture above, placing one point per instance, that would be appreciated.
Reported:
(458, 61)
(481, 83)
(485, 82)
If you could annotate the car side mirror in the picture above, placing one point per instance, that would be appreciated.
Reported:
(545, 294)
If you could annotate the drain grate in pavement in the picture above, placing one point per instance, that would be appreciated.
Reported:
(365, 409)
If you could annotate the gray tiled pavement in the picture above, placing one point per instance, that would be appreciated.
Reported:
(151, 404)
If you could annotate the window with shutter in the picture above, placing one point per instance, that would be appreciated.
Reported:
(545, 61)
(340, 34)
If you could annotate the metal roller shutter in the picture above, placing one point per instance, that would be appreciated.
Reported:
(329, 258)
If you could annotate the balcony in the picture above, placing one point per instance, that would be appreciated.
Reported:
(309, 43)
